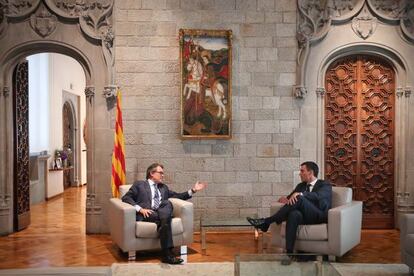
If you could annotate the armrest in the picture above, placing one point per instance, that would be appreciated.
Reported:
(406, 228)
(344, 227)
(122, 223)
(407, 224)
(184, 210)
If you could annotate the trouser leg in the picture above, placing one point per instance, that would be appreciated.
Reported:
(165, 231)
(163, 217)
(311, 214)
(295, 218)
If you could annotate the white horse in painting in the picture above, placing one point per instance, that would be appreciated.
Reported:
(216, 92)
(193, 83)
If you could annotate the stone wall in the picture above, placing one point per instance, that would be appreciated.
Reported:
(259, 163)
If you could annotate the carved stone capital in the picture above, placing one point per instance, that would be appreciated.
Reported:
(110, 95)
(43, 22)
(4, 202)
(6, 91)
(110, 91)
(299, 92)
(407, 92)
(320, 91)
(90, 91)
(399, 92)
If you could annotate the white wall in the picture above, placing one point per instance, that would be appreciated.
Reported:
(38, 102)
(54, 73)
(65, 74)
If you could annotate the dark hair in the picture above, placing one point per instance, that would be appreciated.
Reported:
(311, 166)
(152, 168)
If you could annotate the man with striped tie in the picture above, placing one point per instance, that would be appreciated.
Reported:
(150, 199)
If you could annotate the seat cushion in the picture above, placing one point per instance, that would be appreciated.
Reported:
(312, 232)
(409, 244)
(149, 229)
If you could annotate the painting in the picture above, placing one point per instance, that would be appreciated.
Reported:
(205, 60)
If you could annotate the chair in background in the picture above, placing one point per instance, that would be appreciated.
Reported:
(335, 238)
(131, 235)
(407, 240)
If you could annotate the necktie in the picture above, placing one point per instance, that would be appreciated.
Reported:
(156, 198)
(308, 187)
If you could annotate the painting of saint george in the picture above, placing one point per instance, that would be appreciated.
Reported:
(205, 59)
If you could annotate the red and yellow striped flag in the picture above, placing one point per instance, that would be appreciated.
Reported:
(118, 156)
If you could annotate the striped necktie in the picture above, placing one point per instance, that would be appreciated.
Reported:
(156, 198)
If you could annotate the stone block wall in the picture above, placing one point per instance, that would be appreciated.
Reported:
(258, 164)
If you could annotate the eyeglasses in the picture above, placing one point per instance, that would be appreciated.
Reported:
(161, 173)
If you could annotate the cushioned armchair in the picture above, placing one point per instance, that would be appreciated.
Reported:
(131, 235)
(335, 238)
(407, 240)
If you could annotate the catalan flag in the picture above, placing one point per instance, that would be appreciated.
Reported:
(118, 156)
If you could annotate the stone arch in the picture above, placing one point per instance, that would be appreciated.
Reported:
(83, 31)
(393, 57)
(12, 57)
(328, 30)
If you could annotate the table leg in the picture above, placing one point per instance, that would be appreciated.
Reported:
(203, 238)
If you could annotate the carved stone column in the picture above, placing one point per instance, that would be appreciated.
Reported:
(93, 210)
(5, 196)
(320, 92)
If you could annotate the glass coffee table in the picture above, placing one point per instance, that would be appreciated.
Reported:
(282, 264)
(206, 223)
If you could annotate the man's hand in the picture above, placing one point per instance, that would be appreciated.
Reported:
(283, 200)
(199, 185)
(292, 200)
(146, 212)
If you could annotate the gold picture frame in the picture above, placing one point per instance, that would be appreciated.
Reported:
(206, 65)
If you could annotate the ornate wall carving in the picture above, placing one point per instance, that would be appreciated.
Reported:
(94, 18)
(317, 16)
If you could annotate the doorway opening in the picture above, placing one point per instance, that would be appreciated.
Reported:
(49, 108)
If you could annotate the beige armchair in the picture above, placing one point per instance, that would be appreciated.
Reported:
(407, 240)
(131, 235)
(335, 238)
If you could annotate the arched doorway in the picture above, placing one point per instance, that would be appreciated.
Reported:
(83, 32)
(359, 133)
(68, 133)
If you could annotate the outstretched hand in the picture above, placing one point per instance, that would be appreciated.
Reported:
(199, 185)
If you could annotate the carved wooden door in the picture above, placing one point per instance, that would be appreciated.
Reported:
(21, 193)
(359, 134)
(67, 142)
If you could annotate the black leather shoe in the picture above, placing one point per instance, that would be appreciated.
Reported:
(171, 260)
(258, 223)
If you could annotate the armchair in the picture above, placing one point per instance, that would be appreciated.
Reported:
(407, 240)
(335, 238)
(131, 235)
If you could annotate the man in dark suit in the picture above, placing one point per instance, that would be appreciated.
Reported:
(308, 203)
(150, 199)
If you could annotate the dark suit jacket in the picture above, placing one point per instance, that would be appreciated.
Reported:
(321, 195)
(140, 194)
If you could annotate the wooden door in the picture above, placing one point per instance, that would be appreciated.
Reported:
(67, 128)
(359, 134)
(21, 186)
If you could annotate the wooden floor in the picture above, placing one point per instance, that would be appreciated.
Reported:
(56, 237)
